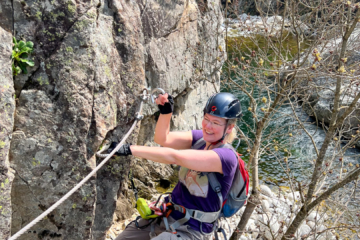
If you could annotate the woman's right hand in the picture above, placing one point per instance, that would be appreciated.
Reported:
(162, 99)
(165, 103)
(163, 136)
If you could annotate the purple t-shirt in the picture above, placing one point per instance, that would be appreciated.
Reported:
(194, 191)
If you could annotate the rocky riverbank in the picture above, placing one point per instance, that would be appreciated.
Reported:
(269, 221)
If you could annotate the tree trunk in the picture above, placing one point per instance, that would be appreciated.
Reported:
(253, 200)
(300, 217)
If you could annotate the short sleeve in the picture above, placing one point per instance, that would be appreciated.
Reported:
(228, 159)
(196, 134)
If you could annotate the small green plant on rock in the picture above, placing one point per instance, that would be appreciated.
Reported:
(20, 56)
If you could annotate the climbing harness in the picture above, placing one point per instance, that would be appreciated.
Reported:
(235, 199)
(153, 214)
(144, 97)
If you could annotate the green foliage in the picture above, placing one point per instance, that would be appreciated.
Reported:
(20, 56)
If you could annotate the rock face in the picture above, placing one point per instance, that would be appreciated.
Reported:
(92, 60)
(7, 108)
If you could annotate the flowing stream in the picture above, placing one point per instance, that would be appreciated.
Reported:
(297, 146)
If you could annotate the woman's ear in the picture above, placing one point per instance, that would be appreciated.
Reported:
(229, 128)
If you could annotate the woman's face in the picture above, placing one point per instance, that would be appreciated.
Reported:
(213, 128)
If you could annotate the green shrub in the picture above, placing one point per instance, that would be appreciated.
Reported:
(20, 54)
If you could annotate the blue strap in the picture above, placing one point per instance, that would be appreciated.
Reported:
(223, 232)
(166, 222)
(198, 144)
(216, 186)
(201, 216)
(152, 233)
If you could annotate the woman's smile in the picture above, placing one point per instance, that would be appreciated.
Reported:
(213, 128)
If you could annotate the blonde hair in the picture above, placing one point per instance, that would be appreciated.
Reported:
(231, 136)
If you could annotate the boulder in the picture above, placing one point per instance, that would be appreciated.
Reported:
(250, 225)
(293, 197)
(321, 99)
(274, 226)
(266, 191)
(265, 205)
(303, 231)
(311, 224)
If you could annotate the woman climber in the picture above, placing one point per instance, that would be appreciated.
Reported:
(192, 196)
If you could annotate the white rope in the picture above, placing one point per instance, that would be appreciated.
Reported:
(55, 205)
(100, 153)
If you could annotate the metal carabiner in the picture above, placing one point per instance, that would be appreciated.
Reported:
(153, 96)
(145, 94)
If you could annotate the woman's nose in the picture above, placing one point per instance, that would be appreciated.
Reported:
(208, 124)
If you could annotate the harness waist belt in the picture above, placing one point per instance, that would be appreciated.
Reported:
(207, 217)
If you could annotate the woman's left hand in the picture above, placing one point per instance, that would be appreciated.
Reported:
(123, 151)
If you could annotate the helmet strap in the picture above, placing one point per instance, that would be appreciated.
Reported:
(224, 135)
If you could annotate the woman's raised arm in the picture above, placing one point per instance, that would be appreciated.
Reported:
(163, 136)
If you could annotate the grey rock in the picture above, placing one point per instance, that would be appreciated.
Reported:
(320, 105)
(6, 16)
(7, 110)
(303, 231)
(266, 191)
(252, 7)
(124, 208)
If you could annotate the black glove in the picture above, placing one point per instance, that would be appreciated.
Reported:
(123, 151)
(168, 107)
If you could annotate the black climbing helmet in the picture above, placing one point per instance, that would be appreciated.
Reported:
(224, 105)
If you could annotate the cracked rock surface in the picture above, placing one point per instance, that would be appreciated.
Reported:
(92, 60)
(7, 108)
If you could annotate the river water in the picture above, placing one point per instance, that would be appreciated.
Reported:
(292, 141)
(299, 145)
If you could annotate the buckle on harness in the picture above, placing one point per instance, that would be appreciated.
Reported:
(173, 230)
(169, 208)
